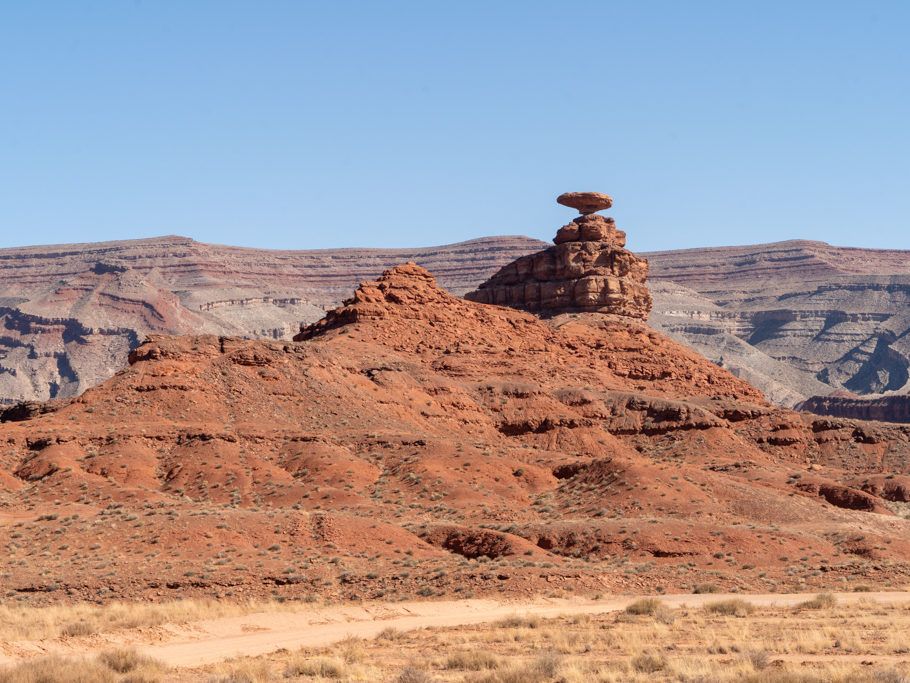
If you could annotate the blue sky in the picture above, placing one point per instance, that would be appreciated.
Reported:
(333, 124)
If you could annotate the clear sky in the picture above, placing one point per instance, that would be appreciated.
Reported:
(296, 124)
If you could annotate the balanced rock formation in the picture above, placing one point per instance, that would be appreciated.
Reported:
(588, 269)
(585, 202)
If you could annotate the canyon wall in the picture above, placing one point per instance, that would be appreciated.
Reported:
(794, 318)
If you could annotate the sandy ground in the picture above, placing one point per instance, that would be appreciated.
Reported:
(209, 641)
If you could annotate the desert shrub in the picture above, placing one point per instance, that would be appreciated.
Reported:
(820, 601)
(734, 607)
(541, 670)
(79, 628)
(644, 606)
(389, 633)
(411, 674)
(351, 649)
(126, 659)
(546, 665)
(518, 622)
(249, 672)
(472, 660)
(759, 659)
(141, 677)
(707, 587)
(648, 662)
(327, 667)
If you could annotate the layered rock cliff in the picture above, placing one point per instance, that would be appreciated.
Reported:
(796, 318)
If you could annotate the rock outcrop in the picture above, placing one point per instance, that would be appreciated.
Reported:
(406, 291)
(588, 270)
(796, 319)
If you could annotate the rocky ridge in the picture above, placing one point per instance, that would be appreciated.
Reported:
(70, 314)
(588, 269)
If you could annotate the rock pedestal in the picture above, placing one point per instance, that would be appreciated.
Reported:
(588, 270)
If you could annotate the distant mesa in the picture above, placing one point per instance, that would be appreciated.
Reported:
(588, 269)
(585, 202)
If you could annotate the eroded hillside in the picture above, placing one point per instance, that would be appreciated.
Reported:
(414, 442)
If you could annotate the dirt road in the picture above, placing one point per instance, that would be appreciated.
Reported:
(210, 641)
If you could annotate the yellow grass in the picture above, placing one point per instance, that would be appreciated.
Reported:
(827, 642)
(732, 643)
(111, 666)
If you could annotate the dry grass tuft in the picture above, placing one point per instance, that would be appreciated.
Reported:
(412, 674)
(651, 607)
(78, 628)
(820, 601)
(389, 634)
(326, 667)
(735, 607)
(645, 606)
(127, 659)
(649, 662)
(541, 670)
(57, 669)
(472, 660)
(517, 621)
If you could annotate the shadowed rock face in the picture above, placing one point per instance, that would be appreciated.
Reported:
(588, 270)
(885, 408)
